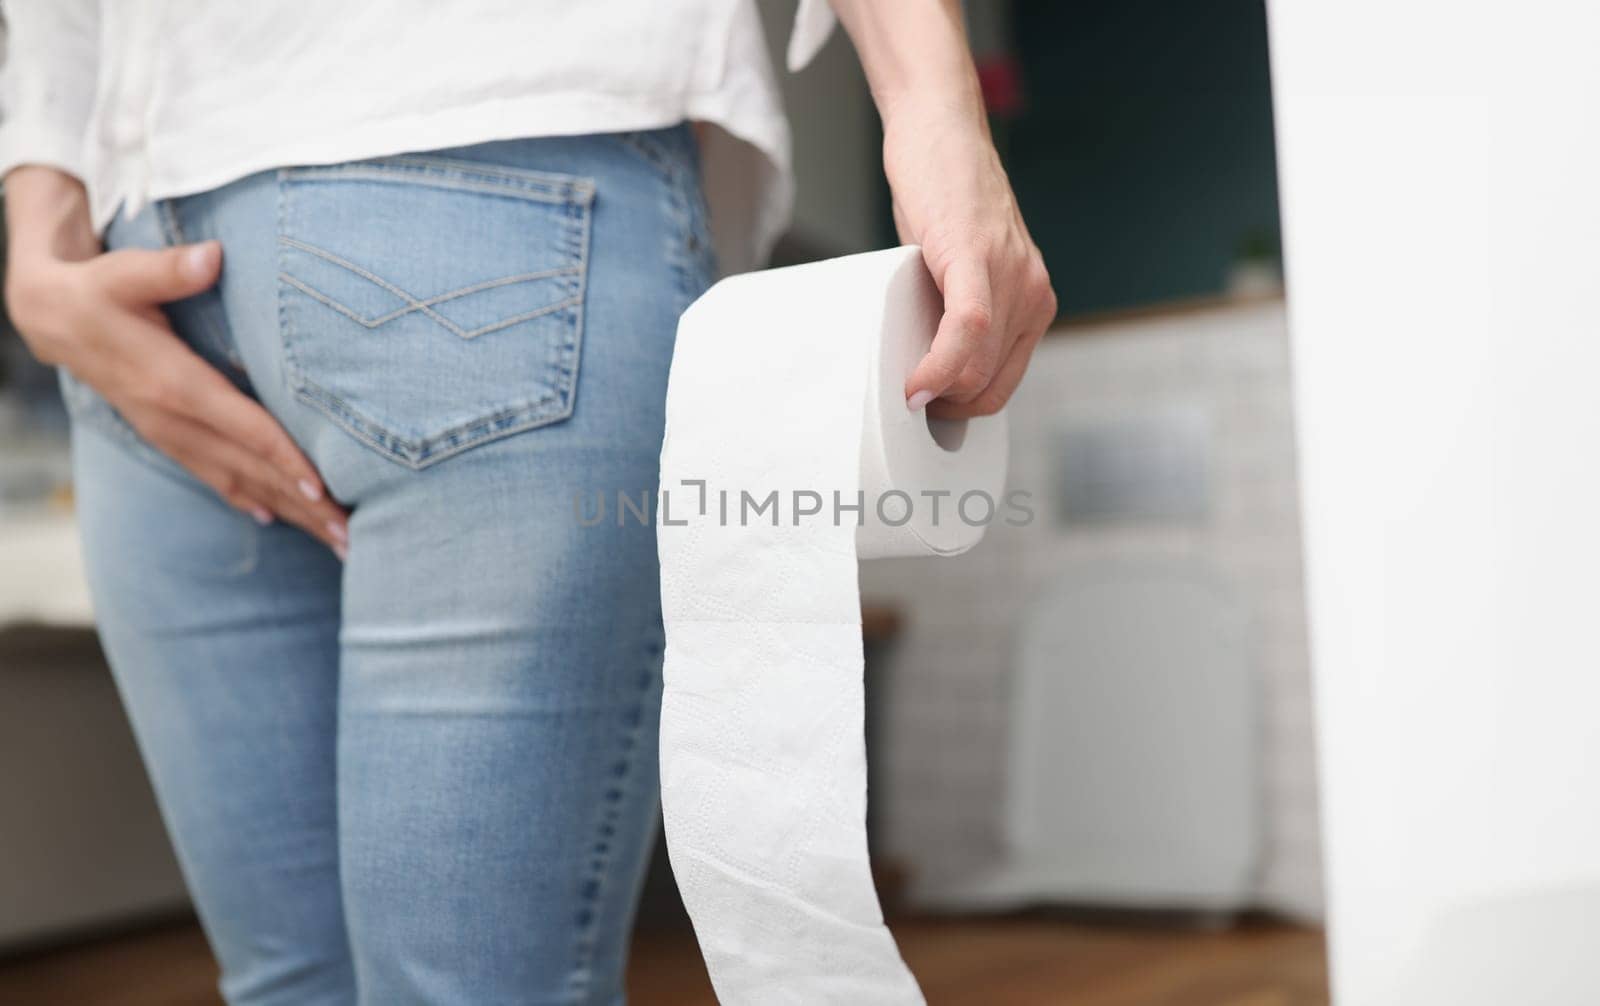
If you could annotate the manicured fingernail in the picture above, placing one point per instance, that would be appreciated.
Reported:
(261, 515)
(198, 259)
(338, 532)
(917, 401)
(310, 490)
(342, 551)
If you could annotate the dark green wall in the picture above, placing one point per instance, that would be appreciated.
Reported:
(1144, 157)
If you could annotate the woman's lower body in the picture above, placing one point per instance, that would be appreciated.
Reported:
(426, 774)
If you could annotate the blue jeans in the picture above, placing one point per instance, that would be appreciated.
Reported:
(426, 775)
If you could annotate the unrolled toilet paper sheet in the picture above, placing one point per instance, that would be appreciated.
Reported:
(785, 402)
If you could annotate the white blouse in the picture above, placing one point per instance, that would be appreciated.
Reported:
(151, 99)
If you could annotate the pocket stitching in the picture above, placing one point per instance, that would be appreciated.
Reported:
(424, 305)
(444, 172)
(419, 454)
(520, 417)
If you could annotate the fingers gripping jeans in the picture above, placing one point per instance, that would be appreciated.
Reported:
(427, 775)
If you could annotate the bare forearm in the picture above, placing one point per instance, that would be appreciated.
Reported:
(913, 49)
(951, 196)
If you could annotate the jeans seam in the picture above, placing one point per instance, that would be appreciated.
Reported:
(592, 886)
(419, 454)
(172, 233)
(291, 368)
(443, 172)
(580, 232)
(685, 206)
(686, 237)
(649, 151)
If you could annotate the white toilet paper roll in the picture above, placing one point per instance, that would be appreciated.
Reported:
(789, 454)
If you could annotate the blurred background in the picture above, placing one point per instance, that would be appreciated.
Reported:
(1090, 739)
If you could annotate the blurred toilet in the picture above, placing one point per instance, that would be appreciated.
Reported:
(1133, 747)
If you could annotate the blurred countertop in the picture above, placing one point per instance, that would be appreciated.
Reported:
(41, 568)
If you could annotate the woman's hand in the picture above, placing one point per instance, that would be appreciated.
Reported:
(951, 196)
(98, 315)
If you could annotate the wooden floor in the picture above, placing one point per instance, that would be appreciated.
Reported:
(1021, 961)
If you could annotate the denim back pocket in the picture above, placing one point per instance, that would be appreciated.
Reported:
(428, 305)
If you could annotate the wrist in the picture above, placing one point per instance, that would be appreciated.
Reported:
(47, 216)
(916, 56)
(950, 100)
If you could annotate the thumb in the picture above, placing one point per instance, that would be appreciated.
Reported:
(144, 276)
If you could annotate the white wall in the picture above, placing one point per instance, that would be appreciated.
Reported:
(946, 722)
(1439, 166)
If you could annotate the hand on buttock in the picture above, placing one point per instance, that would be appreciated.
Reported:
(97, 314)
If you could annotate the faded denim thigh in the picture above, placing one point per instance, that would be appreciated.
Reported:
(431, 767)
